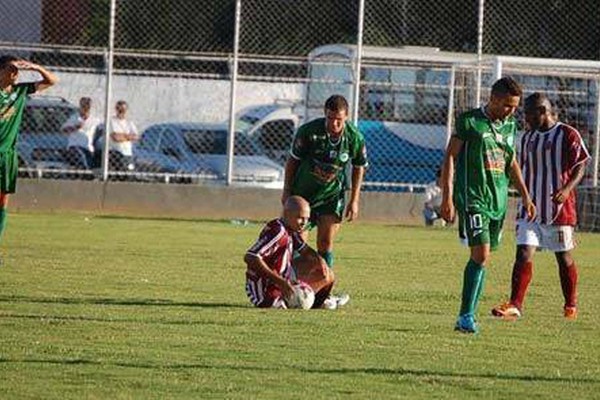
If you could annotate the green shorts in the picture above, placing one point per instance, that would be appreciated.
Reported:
(334, 206)
(478, 229)
(9, 166)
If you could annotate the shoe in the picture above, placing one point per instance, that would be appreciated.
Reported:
(466, 324)
(570, 313)
(342, 299)
(506, 310)
(335, 302)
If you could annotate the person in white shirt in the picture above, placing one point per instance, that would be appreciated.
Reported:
(81, 128)
(432, 200)
(123, 133)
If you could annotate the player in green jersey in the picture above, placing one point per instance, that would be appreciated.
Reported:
(12, 102)
(482, 151)
(316, 170)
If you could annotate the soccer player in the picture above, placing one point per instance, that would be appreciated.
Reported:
(553, 158)
(316, 170)
(12, 103)
(269, 276)
(483, 150)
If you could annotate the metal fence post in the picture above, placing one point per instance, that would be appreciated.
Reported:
(596, 149)
(233, 86)
(358, 61)
(479, 52)
(109, 72)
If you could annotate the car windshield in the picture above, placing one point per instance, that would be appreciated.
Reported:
(39, 120)
(205, 141)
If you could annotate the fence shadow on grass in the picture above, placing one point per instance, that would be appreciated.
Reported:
(328, 371)
(107, 301)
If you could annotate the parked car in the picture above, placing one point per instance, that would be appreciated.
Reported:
(197, 152)
(271, 126)
(41, 145)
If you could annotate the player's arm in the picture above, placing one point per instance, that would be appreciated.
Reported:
(258, 265)
(291, 167)
(517, 179)
(447, 208)
(358, 173)
(48, 78)
(563, 193)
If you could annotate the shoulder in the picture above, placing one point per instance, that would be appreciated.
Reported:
(353, 131)
(314, 125)
(274, 228)
(570, 132)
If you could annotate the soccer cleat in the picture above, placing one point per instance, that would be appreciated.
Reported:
(466, 324)
(335, 302)
(570, 313)
(506, 310)
(342, 299)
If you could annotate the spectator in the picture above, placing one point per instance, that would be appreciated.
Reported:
(81, 128)
(123, 133)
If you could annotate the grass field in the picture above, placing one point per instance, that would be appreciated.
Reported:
(114, 308)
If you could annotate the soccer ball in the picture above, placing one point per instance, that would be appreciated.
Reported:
(303, 296)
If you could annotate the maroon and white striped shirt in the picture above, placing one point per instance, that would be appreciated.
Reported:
(275, 246)
(547, 160)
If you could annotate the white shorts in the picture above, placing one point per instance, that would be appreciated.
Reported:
(550, 237)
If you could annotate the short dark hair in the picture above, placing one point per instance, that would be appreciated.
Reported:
(6, 59)
(506, 86)
(336, 103)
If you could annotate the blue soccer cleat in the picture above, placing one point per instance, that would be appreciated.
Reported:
(466, 324)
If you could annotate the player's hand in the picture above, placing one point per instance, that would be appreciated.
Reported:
(351, 211)
(26, 65)
(287, 290)
(560, 196)
(529, 208)
(448, 211)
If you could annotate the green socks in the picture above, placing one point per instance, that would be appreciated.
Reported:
(473, 279)
(3, 218)
(328, 257)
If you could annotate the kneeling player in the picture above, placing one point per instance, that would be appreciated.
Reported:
(269, 261)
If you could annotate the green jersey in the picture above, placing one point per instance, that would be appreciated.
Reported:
(11, 112)
(482, 166)
(321, 174)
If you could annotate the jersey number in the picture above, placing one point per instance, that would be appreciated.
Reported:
(476, 221)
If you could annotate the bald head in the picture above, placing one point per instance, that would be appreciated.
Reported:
(296, 212)
(295, 203)
(539, 114)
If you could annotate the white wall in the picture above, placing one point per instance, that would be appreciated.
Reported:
(160, 99)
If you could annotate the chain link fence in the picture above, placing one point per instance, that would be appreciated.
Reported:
(174, 63)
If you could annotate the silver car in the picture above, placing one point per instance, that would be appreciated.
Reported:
(196, 152)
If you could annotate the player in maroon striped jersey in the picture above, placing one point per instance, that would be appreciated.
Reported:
(270, 273)
(552, 156)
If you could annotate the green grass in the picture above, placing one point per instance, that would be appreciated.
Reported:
(113, 308)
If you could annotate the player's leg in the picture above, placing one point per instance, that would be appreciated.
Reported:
(561, 241)
(318, 275)
(568, 281)
(263, 295)
(3, 212)
(476, 230)
(522, 274)
(327, 227)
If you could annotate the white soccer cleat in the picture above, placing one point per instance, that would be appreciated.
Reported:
(335, 302)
